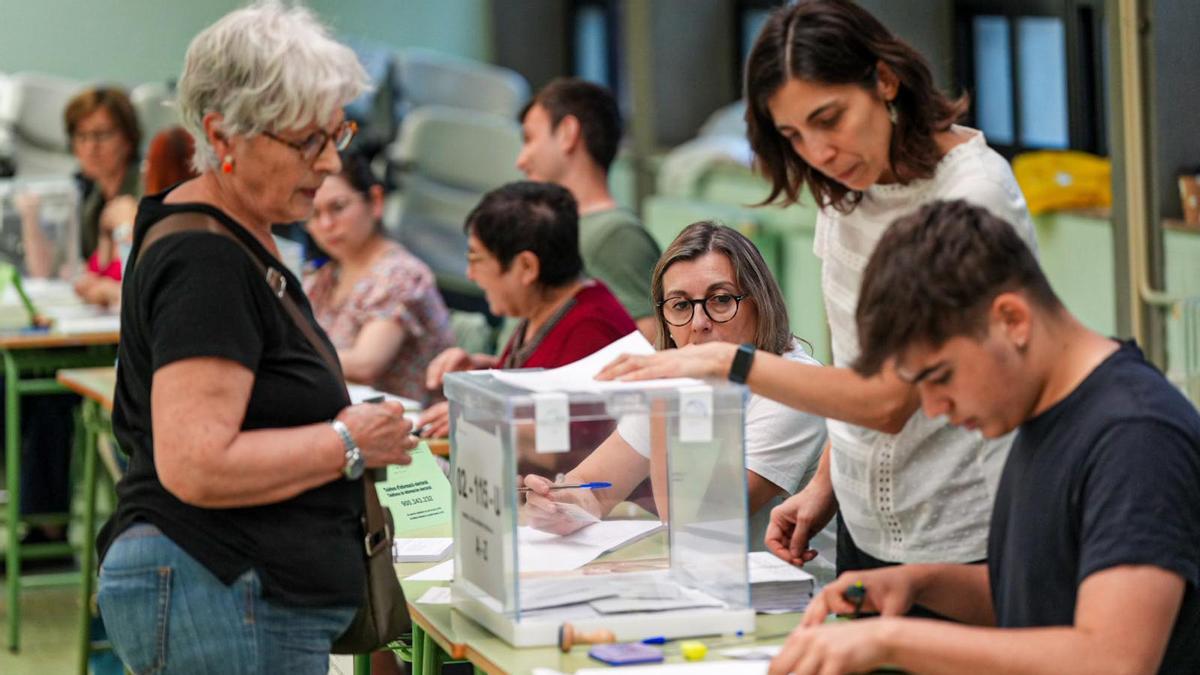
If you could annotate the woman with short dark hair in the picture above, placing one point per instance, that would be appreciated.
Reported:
(523, 251)
(841, 107)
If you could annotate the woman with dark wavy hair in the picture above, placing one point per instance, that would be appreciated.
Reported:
(841, 108)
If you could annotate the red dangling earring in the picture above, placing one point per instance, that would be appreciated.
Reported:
(227, 164)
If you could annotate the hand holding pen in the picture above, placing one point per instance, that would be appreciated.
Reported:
(594, 485)
(560, 507)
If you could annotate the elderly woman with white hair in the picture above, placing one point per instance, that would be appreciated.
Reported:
(236, 545)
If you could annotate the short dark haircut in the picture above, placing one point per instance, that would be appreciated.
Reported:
(933, 276)
(541, 218)
(594, 106)
(837, 42)
(119, 107)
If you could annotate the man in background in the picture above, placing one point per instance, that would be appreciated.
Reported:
(571, 131)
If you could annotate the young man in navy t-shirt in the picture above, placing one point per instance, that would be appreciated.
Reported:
(1094, 546)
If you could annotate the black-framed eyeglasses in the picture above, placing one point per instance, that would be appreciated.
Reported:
(720, 307)
(311, 147)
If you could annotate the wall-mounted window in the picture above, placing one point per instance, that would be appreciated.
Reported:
(749, 17)
(594, 30)
(1035, 69)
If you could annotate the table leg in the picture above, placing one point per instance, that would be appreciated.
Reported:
(418, 650)
(90, 420)
(431, 657)
(12, 467)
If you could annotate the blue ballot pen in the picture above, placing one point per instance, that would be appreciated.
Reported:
(594, 485)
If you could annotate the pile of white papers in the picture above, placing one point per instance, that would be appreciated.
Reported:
(430, 549)
(777, 586)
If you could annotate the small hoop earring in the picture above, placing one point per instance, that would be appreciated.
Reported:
(893, 115)
(227, 164)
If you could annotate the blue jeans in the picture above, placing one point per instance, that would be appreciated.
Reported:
(166, 613)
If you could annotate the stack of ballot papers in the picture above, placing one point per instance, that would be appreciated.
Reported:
(777, 586)
(431, 549)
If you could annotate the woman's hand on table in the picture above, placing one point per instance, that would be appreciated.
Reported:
(381, 432)
(434, 421)
(708, 360)
(449, 361)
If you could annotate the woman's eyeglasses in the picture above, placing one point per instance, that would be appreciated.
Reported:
(720, 307)
(312, 146)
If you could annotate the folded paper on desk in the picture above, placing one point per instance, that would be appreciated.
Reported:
(438, 595)
(545, 552)
(581, 375)
(429, 549)
(440, 572)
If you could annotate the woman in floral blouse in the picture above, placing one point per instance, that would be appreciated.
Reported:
(378, 303)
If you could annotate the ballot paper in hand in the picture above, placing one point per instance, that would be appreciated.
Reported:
(581, 375)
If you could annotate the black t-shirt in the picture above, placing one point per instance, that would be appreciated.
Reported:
(198, 294)
(1108, 476)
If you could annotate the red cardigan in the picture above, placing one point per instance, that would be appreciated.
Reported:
(596, 320)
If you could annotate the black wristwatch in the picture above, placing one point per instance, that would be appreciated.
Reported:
(742, 361)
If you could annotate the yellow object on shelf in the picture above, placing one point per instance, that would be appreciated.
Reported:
(1054, 180)
(693, 650)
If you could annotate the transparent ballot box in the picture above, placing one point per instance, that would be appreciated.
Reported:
(662, 552)
(39, 227)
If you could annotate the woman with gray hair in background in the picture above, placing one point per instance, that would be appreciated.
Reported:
(236, 545)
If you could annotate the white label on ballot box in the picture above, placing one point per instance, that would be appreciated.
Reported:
(480, 509)
(696, 414)
(552, 415)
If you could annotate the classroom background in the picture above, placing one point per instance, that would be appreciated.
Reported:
(1115, 79)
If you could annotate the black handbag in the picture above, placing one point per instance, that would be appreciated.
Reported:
(383, 615)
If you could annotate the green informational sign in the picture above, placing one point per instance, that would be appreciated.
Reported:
(418, 494)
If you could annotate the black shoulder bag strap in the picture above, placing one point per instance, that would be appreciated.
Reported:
(384, 615)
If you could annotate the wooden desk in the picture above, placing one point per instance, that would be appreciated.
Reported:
(30, 361)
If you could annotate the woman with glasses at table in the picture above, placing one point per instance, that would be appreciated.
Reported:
(710, 285)
(105, 138)
(236, 545)
(379, 304)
